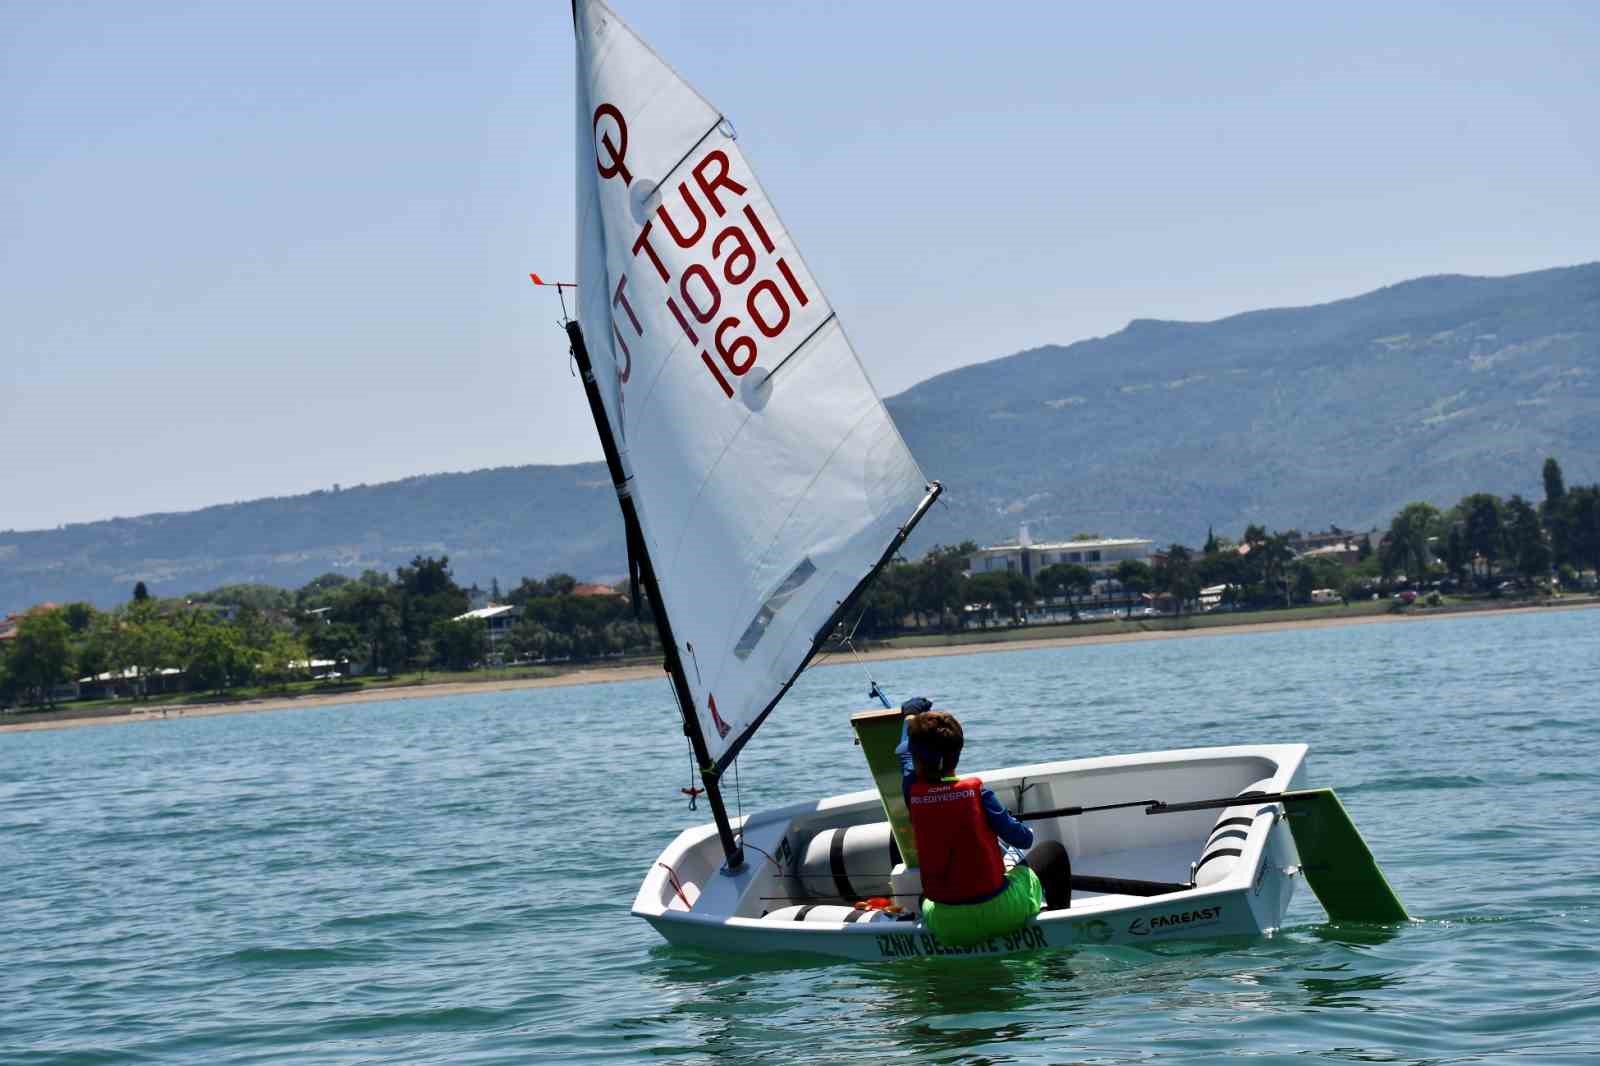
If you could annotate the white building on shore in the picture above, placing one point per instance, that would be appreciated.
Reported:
(499, 619)
(1099, 556)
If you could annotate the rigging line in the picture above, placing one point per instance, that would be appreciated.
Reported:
(848, 637)
(873, 691)
(692, 792)
(820, 655)
(823, 655)
(672, 875)
(796, 349)
(683, 713)
(696, 659)
(761, 851)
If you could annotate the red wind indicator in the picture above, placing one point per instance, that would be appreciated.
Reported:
(537, 280)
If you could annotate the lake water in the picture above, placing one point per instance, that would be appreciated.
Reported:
(449, 880)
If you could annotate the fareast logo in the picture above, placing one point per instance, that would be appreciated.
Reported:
(1161, 923)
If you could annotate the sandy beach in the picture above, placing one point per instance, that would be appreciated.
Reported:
(605, 674)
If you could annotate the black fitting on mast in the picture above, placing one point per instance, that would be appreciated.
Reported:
(640, 569)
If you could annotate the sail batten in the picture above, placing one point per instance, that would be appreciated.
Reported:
(763, 500)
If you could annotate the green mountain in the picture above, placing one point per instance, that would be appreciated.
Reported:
(502, 523)
(1297, 417)
(1293, 418)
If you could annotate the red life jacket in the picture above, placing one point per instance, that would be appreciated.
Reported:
(958, 852)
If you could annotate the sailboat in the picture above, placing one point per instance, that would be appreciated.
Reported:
(762, 485)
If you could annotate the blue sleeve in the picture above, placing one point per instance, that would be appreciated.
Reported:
(1005, 827)
(908, 768)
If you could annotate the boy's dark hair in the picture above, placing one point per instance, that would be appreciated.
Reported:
(936, 736)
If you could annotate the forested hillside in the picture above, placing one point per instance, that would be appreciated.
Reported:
(1293, 418)
(503, 522)
(1299, 417)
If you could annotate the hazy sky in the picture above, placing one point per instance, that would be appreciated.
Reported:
(256, 248)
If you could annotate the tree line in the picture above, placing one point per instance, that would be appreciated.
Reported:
(144, 643)
(1483, 538)
(243, 635)
(1474, 546)
(259, 635)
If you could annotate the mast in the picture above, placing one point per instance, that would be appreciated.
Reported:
(766, 507)
(639, 556)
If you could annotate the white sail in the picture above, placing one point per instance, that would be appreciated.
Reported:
(767, 475)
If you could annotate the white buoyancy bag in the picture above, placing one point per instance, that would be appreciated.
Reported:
(824, 912)
(850, 863)
(1225, 845)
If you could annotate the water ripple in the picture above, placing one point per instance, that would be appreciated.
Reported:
(448, 880)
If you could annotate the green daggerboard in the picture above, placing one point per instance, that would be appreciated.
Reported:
(878, 732)
(1337, 862)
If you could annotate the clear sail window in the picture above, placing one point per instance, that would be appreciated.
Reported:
(774, 603)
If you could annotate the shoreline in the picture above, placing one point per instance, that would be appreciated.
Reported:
(611, 674)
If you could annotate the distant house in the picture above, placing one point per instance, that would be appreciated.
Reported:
(321, 669)
(13, 622)
(1307, 542)
(129, 682)
(597, 590)
(1347, 552)
(1340, 545)
(1099, 556)
(499, 619)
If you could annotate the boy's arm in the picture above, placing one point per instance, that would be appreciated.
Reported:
(908, 768)
(1005, 827)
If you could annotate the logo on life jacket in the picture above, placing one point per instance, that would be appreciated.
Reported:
(959, 853)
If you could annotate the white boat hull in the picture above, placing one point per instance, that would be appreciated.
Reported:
(690, 901)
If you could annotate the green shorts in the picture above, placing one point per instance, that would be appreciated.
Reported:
(960, 924)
